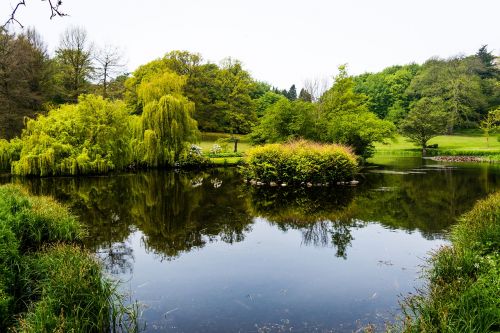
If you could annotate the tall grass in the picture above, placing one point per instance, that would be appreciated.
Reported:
(463, 291)
(47, 282)
(300, 161)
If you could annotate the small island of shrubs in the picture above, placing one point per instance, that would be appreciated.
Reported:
(300, 162)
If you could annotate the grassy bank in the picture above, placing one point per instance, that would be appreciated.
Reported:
(466, 143)
(48, 283)
(463, 291)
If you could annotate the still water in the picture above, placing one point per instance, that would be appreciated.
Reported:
(203, 252)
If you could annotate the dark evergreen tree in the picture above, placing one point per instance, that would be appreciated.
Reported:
(487, 59)
(305, 96)
(292, 93)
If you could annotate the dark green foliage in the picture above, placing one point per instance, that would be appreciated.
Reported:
(487, 59)
(305, 96)
(300, 161)
(464, 279)
(457, 85)
(284, 120)
(386, 90)
(292, 93)
(26, 79)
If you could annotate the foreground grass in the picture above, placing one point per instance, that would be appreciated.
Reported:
(47, 282)
(466, 143)
(463, 292)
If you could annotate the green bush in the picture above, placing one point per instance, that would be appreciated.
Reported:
(463, 291)
(301, 161)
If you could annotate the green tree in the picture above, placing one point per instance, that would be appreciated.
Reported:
(74, 58)
(344, 117)
(305, 96)
(89, 137)
(457, 85)
(166, 122)
(234, 89)
(292, 93)
(26, 73)
(265, 101)
(285, 120)
(427, 118)
(490, 123)
(489, 68)
(386, 90)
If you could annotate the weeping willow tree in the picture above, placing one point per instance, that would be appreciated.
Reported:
(9, 152)
(167, 123)
(90, 137)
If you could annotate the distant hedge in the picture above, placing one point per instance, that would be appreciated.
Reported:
(301, 161)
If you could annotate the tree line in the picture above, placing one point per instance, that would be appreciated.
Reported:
(33, 82)
(161, 107)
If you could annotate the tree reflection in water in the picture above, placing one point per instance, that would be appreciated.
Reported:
(177, 212)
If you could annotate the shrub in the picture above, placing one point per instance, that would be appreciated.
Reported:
(301, 161)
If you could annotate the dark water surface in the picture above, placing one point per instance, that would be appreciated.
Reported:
(205, 253)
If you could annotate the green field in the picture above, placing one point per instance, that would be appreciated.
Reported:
(466, 143)
(208, 139)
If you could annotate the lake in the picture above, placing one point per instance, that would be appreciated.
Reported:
(204, 252)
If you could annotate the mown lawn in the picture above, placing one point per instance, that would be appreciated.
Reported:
(468, 141)
(208, 139)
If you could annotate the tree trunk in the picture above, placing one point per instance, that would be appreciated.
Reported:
(235, 145)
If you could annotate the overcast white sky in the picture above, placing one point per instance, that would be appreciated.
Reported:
(279, 41)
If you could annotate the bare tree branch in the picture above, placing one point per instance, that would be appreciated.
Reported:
(54, 11)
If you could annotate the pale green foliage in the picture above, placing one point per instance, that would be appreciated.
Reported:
(9, 152)
(490, 123)
(426, 119)
(89, 137)
(97, 135)
(166, 120)
(301, 161)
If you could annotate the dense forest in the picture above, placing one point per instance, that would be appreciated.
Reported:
(82, 113)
